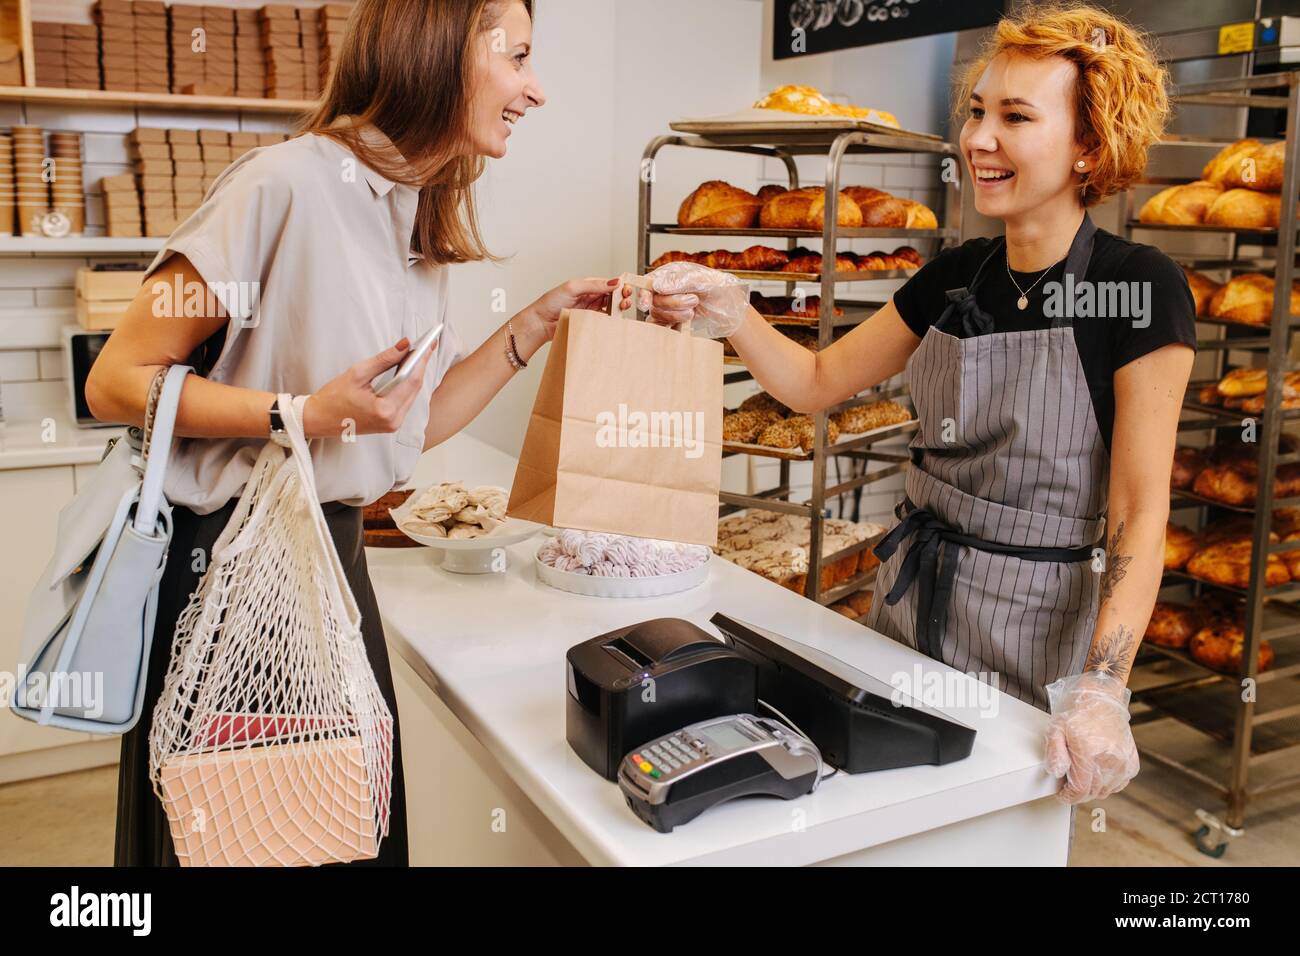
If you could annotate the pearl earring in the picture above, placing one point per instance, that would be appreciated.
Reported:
(1080, 164)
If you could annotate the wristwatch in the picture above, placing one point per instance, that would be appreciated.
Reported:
(279, 433)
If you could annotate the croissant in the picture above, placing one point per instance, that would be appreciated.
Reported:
(1209, 395)
(812, 265)
(873, 261)
(720, 205)
(674, 256)
(812, 309)
(908, 253)
(767, 192)
(761, 259)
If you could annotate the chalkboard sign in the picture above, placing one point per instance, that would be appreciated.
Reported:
(817, 26)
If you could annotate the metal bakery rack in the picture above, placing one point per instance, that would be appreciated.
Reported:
(785, 140)
(1255, 717)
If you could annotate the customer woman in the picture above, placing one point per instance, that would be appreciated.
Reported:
(322, 252)
(1037, 423)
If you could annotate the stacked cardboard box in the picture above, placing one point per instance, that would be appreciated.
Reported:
(187, 38)
(241, 143)
(149, 21)
(311, 52)
(331, 23)
(282, 41)
(116, 44)
(155, 175)
(49, 53)
(66, 55)
(122, 207)
(250, 62)
(104, 293)
(202, 49)
(219, 71)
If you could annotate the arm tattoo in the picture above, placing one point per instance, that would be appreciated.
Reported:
(1115, 565)
(1109, 654)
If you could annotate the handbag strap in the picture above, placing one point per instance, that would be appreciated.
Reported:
(157, 448)
(291, 412)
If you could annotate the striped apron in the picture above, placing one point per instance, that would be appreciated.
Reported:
(1005, 499)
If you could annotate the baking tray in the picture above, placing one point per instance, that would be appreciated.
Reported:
(794, 454)
(752, 121)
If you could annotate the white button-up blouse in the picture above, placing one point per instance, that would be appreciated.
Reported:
(308, 251)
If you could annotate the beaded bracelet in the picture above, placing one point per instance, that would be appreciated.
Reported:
(512, 351)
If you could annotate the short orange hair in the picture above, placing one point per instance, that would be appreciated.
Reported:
(1121, 103)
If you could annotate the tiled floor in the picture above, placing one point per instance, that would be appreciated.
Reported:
(68, 821)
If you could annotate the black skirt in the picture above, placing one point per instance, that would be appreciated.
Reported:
(143, 836)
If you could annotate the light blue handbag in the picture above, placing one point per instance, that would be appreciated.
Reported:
(90, 619)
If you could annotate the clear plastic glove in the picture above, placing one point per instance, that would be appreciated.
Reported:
(1089, 741)
(713, 302)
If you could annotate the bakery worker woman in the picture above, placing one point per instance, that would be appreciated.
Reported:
(1038, 424)
(345, 235)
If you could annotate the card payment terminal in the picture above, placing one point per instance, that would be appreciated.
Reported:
(677, 777)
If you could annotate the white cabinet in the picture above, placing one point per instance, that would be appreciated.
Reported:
(32, 500)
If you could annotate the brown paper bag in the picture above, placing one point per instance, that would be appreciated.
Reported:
(626, 431)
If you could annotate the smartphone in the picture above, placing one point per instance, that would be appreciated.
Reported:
(421, 348)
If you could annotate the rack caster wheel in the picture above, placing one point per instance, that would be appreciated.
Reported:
(1213, 836)
(1200, 837)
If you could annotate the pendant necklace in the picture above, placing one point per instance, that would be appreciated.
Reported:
(1022, 303)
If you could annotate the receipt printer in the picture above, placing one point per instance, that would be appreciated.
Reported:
(638, 683)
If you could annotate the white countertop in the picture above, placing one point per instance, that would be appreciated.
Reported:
(492, 648)
(53, 440)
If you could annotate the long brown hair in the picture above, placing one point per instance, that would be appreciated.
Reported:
(407, 68)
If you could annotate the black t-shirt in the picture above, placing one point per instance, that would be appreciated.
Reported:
(1168, 311)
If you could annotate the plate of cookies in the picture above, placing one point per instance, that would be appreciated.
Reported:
(467, 524)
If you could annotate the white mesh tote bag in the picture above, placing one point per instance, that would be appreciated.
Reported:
(271, 744)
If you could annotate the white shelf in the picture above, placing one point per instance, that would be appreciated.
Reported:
(76, 245)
